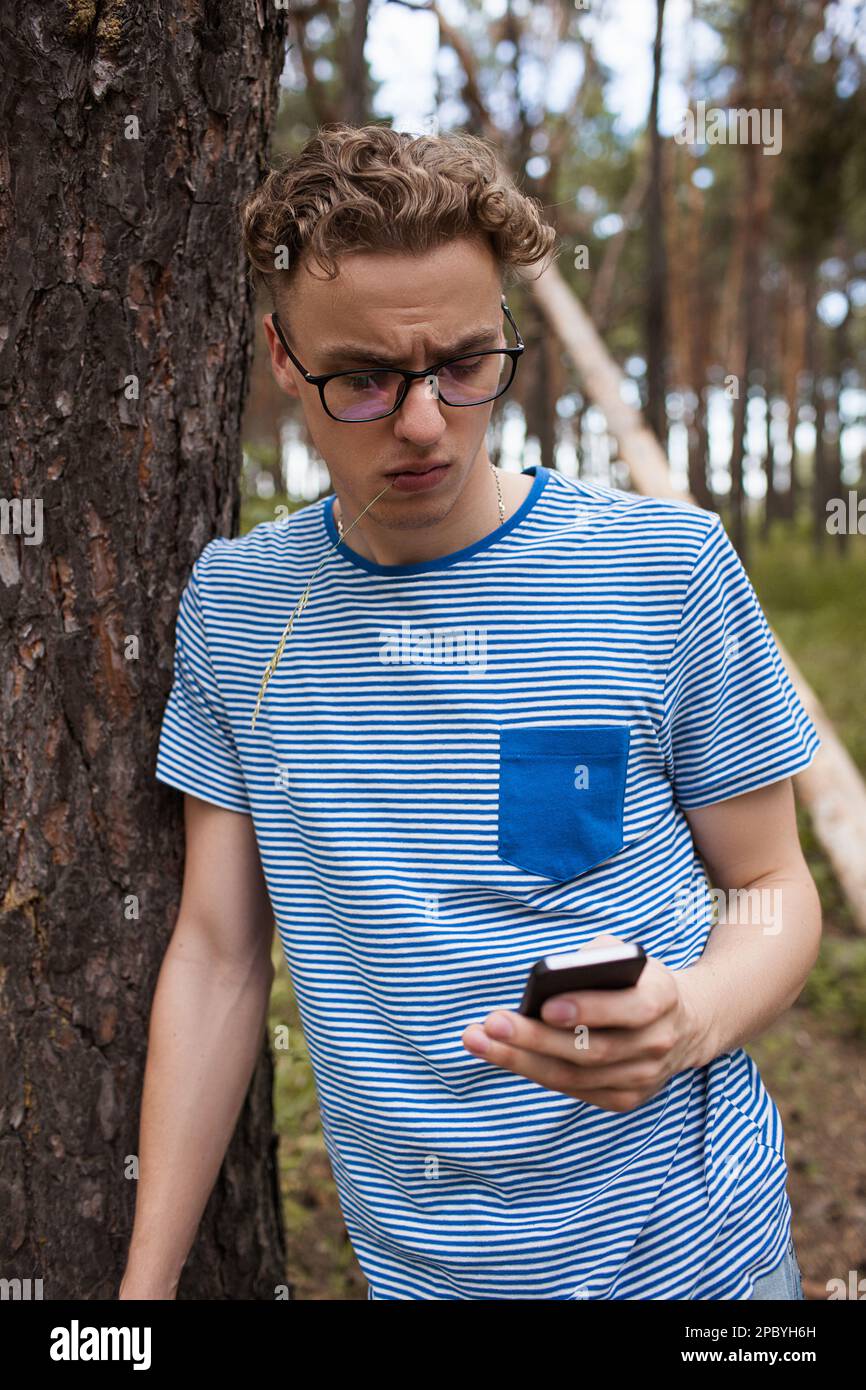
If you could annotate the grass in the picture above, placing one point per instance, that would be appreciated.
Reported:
(817, 605)
(811, 1058)
(811, 600)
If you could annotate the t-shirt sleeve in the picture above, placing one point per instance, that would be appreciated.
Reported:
(732, 720)
(197, 751)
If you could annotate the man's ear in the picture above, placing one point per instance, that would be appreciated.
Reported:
(282, 369)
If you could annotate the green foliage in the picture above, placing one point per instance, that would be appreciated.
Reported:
(815, 603)
(836, 987)
(257, 509)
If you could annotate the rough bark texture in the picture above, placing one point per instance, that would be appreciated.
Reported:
(656, 334)
(130, 133)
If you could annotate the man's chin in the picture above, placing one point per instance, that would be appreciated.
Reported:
(413, 511)
(416, 517)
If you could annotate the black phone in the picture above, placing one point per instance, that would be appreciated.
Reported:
(596, 967)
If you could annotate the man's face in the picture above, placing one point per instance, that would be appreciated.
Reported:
(411, 310)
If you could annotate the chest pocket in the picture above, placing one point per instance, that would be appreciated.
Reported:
(561, 796)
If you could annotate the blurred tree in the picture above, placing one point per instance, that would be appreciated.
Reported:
(741, 296)
(656, 318)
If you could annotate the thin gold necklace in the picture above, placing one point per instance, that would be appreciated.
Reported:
(499, 500)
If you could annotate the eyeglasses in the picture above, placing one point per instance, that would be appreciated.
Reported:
(371, 393)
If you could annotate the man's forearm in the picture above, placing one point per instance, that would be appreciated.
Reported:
(205, 1036)
(751, 971)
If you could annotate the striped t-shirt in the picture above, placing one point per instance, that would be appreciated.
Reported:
(425, 840)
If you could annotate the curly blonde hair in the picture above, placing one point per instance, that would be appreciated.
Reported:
(371, 188)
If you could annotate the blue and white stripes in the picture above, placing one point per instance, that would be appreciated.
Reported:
(373, 780)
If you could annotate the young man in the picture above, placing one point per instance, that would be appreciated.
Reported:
(511, 719)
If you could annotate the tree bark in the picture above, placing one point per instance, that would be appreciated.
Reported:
(601, 294)
(745, 352)
(819, 486)
(771, 496)
(810, 346)
(792, 367)
(533, 391)
(696, 336)
(768, 355)
(656, 310)
(131, 134)
(835, 485)
(755, 208)
(355, 99)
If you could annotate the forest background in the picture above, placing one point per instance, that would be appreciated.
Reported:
(727, 279)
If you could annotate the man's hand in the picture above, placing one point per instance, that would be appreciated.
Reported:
(624, 1044)
(616, 1049)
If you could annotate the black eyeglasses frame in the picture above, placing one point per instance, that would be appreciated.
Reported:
(320, 381)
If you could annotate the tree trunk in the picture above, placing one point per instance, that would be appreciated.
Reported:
(495, 436)
(752, 224)
(540, 424)
(355, 98)
(835, 485)
(700, 484)
(768, 353)
(131, 134)
(696, 336)
(771, 506)
(577, 432)
(819, 487)
(792, 366)
(656, 312)
(745, 346)
(799, 485)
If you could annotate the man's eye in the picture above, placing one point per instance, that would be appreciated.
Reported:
(363, 381)
(465, 368)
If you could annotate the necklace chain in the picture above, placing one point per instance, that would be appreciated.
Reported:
(499, 501)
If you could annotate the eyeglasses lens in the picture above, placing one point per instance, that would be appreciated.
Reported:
(465, 381)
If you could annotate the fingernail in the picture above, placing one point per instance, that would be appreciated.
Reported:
(476, 1039)
(559, 1011)
(499, 1026)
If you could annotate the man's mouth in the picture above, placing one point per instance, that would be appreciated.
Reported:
(418, 477)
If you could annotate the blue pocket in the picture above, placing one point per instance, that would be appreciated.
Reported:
(561, 795)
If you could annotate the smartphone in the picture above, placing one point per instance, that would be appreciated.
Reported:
(596, 967)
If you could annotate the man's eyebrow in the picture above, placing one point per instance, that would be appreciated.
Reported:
(346, 353)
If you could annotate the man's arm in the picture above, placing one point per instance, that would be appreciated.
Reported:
(206, 1024)
(763, 946)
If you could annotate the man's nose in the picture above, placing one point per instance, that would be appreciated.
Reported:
(419, 417)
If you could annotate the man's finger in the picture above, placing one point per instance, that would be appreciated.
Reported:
(557, 1075)
(582, 1046)
(602, 1008)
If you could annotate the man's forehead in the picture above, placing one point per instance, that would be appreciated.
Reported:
(338, 314)
(436, 287)
(346, 325)
(476, 336)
